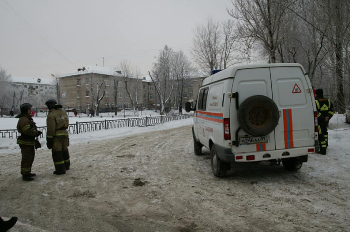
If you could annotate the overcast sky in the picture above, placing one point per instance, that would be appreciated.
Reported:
(44, 37)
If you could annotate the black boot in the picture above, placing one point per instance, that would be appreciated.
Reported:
(5, 226)
(60, 169)
(27, 177)
(323, 151)
(66, 159)
(32, 174)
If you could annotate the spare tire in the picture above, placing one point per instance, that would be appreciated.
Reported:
(258, 115)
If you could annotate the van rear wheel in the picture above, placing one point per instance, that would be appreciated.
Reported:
(219, 168)
(258, 115)
(292, 164)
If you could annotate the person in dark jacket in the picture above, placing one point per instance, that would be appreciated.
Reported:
(6, 225)
(26, 141)
(324, 114)
(57, 136)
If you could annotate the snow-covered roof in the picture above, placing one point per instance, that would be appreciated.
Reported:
(32, 80)
(94, 69)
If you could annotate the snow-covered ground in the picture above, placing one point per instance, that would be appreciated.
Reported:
(176, 190)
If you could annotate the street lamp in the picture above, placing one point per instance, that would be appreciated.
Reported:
(57, 88)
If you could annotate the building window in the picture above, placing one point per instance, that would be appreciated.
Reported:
(87, 93)
(78, 82)
(25, 86)
(86, 81)
(144, 86)
(151, 96)
(87, 105)
(151, 87)
(120, 95)
(36, 87)
(45, 87)
(119, 84)
(144, 96)
(106, 82)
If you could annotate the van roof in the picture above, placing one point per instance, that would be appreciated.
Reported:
(231, 71)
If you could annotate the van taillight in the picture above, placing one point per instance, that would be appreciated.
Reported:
(227, 135)
(316, 123)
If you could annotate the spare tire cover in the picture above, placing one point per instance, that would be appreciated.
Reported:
(258, 115)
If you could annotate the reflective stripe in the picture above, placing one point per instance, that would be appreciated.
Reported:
(319, 130)
(26, 143)
(66, 161)
(319, 114)
(60, 162)
(323, 142)
(317, 104)
(26, 127)
(324, 146)
(330, 112)
(60, 134)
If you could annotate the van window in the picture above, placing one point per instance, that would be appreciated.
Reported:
(202, 99)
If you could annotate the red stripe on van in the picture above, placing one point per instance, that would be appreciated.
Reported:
(211, 114)
(259, 145)
(211, 119)
(285, 129)
(291, 128)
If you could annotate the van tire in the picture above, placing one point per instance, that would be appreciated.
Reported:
(292, 164)
(197, 146)
(258, 115)
(218, 167)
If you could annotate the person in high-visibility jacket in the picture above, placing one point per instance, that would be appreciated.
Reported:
(57, 136)
(324, 114)
(26, 141)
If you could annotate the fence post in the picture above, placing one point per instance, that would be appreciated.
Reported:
(77, 126)
(146, 122)
(128, 122)
(106, 124)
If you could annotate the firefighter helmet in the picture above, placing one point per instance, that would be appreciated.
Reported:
(50, 103)
(25, 107)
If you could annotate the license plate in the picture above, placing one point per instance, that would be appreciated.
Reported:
(253, 140)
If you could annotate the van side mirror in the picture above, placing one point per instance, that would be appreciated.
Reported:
(188, 107)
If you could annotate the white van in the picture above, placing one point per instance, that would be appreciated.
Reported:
(252, 113)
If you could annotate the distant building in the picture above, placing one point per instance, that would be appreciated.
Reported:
(79, 90)
(33, 90)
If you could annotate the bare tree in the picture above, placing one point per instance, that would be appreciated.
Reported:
(261, 20)
(96, 95)
(182, 69)
(131, 82)
(163, 77)
(4, 90)
(213, 44)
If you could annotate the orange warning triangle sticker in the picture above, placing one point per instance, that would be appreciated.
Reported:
(296, 89)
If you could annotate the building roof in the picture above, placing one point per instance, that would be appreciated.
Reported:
(94, 69)
(32, 80)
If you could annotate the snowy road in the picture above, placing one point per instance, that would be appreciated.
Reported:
(180, 192)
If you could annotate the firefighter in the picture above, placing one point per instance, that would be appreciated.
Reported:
(325, 113)
(26, 141)
(57, 136)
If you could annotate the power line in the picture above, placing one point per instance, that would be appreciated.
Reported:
(33, 30)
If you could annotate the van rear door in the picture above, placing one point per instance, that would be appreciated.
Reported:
(292, 95)
(249, 82)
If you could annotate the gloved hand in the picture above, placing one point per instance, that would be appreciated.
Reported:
(49, 143)
(37, 144)
(39, 133)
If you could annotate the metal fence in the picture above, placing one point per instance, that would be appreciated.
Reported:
(82, 127)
